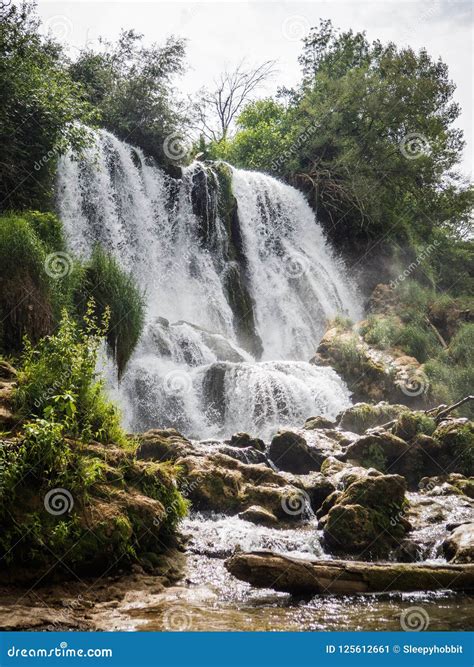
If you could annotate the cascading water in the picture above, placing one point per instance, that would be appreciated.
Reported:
(239, 282)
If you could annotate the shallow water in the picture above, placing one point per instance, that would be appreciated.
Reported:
(209, 598)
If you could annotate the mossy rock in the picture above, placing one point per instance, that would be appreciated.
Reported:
(318, 423)
(368, 517)
(409, 424)
(363, 416)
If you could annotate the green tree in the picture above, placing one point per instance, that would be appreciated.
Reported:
(369, 136)
(131, 85)
(41, 109)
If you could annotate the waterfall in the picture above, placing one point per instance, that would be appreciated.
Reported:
(239, 282)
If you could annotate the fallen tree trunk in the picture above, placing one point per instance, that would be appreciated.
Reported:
(265, 569)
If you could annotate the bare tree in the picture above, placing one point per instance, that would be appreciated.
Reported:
(216, 110)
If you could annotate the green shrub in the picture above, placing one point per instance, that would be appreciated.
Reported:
(27, 300)
(58, 381)
(48, 228)
(112, 288)
(461, 348)
(418, 341)
(380, 331)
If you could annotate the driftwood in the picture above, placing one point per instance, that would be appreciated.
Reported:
(265, 569)
(439, 413)
(436, 333)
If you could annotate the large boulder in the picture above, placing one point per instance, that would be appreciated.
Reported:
(292, 452)
(381, 450)
(362, 416)
(372, 374)
(259, 515)
(163, 445)
(368, 518)
(245, 440)
(459, 546)
(220, 483)
(317, 487)
(318, 422)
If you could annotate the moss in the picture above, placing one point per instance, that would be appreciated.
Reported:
(363, 416)
(375, 458)
(410, 424)
(459, 439)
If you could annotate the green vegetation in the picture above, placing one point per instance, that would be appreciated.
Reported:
(58, 381)
(38, 279)
(129, 85)
(28, 300)
(369, 135)
(42, 110)
(110, 507)
(112, 289)
(435, 329)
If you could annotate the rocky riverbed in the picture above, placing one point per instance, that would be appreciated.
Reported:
(382, 495)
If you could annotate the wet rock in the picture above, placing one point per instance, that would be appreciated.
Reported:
(343, 473)
(328, 503)
(410, 424)
(363, 416)
(318, 422)
(222, 484)
(163, 445)
(448, 484)
(383, 451)
(290, 452)
(218, 344)
(246, 440)
(317, 486)
(214, 389)
(259, 515)
(372, 374)
(311, 576)
(243, 454)
(368, 517)
(459, 546)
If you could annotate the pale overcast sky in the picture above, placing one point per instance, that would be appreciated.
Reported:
(223, 33)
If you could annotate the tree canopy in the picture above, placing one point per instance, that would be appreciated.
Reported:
(369, 135)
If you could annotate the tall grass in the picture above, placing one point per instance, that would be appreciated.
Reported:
(112, 288)
(27, 298)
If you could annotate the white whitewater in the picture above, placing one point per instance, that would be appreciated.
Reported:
(192, 368)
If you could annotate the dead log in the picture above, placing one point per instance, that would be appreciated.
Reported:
(265, 569)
